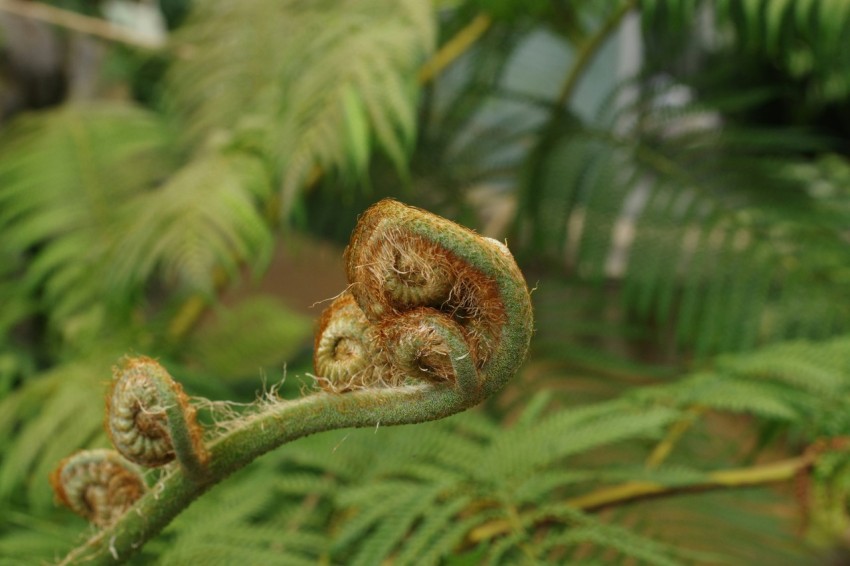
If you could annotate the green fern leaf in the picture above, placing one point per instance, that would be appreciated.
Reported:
(423, 537)
(205, 219)
(52, 414)
(518, 452)
(276, 334)
(392, 530)
(372, 503)
(346, 68)
(63, 174)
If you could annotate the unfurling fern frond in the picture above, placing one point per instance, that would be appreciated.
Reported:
(439, 355)
(98, 485)
(312, 86)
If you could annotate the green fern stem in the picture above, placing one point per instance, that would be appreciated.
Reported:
(589, 49)
(633, 491)
(276, 425)
(776, 472)
(454, 48)
(439, 354)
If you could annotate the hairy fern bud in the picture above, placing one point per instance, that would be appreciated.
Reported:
(344, 354)
(417, 279)
(149, 418)
(98, 485)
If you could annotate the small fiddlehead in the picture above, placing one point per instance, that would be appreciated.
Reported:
(344, 350)
(149, 418)
(98, 485)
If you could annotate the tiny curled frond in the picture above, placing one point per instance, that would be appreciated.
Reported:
(436, 318)
(98, 485)
(149, 418)
(344, 353)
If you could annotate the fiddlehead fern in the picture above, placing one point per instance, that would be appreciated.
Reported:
(149, 418)
(408, 269)
(344, 350)
(436, 319)
(98, 485)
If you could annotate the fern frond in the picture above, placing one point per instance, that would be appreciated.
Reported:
(446, 543)
(226, 549)
(761, 399)
(375, 502)
(63, 174)
(244, 520)
(341, 75)
(628, 545)
(801, 36)
(204, 220)
(518, 452)
(29, 539)
(741, 527)
(394, 526)
(798, 386)
(302, 483)
(423, 538)
(17, 302)
(692, 229)
(817, 368)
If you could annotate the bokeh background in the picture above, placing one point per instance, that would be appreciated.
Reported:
(179, 179)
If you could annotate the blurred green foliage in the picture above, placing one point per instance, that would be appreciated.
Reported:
(684, 220)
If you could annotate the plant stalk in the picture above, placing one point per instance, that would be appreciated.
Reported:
(588, 50)
(736, 478)
(454, 48)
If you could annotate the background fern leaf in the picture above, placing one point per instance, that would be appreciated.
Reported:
(358, 79)
(203, 222)
(63, 174)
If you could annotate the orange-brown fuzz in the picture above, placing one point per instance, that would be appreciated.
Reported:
(345, 356)
(415, 348)
(392, 270)
(380, 332)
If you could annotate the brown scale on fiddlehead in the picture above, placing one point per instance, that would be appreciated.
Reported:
(424, 278)
(98, 485)
(149, 418)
